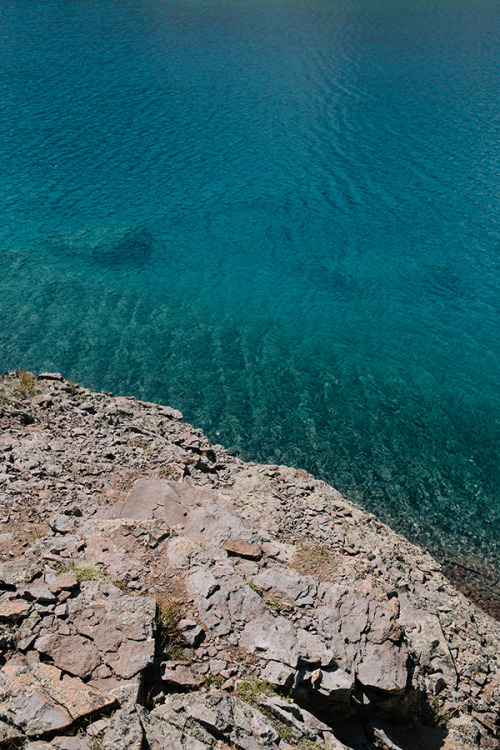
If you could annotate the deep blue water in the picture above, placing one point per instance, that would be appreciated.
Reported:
(281, 217)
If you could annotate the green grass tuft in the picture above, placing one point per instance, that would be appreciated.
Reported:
(83, 571)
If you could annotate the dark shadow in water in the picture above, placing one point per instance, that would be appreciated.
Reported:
(134, 247)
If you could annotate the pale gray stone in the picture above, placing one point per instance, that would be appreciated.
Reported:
(273, 638)
(335, 684)
(176, 673)
(132, 657)
(202, 583)
(384, 667)
(278, 674)
(191, 632)
(298, 588)
(71, 742)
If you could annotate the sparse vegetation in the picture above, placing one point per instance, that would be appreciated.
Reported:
(141, 442)
(83, 571)
(271, 602)
(254, 587)
(316, 560)
(122, 585)
(171, 640)
(305, 744)
(434, 714)
(210, 680)
(168, 471)
(251, 690)
(26, 384)
(96, 741)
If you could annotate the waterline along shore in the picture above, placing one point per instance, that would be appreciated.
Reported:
(157, 591)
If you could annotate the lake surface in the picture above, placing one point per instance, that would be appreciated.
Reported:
(281, 217)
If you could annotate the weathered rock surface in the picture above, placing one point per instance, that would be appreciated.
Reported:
(177, 597)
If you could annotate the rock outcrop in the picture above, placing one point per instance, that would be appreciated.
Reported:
(157, 592)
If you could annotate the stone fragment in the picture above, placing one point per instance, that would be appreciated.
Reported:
(191, 632)
(240, 548)
(176, 673)
(12, 610)
(71, 742)
(97, 727)
(198, 717)
(274, 638)
(125, 732)
(216, 666)
(278, 674)
(384, 667)
(62, 524)
(335, 684)
(43, 399)
(65, 582)
(132, 657)
(203, 582)
(72, 653)
(290, 713)
(37, 592)
(299, 589)
(50, 376)
(40, 699)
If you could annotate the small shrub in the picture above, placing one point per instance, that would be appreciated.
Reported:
(171, 640)
(26, 386)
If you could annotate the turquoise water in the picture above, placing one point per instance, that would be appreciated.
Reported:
(280, 217)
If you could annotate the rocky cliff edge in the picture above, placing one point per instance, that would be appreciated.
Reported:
(156, 592)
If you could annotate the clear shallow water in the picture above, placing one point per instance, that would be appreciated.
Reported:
(279, 217)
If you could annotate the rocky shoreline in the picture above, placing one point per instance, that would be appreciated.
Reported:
(158, 592)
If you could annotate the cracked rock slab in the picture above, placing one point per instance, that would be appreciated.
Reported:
(198, 721)
(41, 700)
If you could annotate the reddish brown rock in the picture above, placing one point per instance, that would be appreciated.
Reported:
(72, 653)
(12, 610)
(42, 700)
(64, 582)
(180, 675)
(240, 548)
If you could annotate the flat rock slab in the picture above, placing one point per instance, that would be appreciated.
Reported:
(200, 514)
(151, 498)
(42, 699)
(240, 548)
(12, 610)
